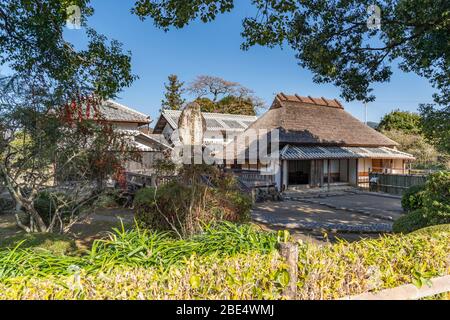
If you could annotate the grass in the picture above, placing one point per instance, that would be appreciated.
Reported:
(440, 228)
(52, 243)
(225, 262)
(138, 248)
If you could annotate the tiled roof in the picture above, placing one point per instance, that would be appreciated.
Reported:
(116, 112)
(146, 142)
(214, 121)
(312, 153)
(307, 120)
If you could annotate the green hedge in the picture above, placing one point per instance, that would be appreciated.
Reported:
(429, 204)
(412, 198)
(325, 272)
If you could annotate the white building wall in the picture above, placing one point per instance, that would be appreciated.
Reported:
(285, 173)
(352, 171)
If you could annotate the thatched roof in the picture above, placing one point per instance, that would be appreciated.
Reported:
(320, 121)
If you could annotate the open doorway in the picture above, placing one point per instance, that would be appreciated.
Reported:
(299, 172)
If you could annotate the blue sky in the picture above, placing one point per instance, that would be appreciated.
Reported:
(214, 49)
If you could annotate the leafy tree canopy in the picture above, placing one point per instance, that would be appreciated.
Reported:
(52, 78)
(215, 94)
(405, 121)
(332, 38)
(33, 46)
(334, 41)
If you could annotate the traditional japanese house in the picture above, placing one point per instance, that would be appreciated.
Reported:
(135, 124)
(322, 144)
(220, 127)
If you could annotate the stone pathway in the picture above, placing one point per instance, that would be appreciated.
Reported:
(342, 211)
(310, 216)
(380, 206)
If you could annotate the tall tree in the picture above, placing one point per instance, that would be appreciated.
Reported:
(43, 103)
(173, 97)
(436, 125)
(352, 44)
(215, 94)
(339, 41)
(405, 121)
(211, 86)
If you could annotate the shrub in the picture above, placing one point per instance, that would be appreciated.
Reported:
(412, 198)
(432, 204)
(133, 248)
(436, 198)
(335, 271)
(185, 208)
(111, 199)
(6, 205)
(411, 221)
(209, 268)
(243, 276)
(440, 228)
(139, 247)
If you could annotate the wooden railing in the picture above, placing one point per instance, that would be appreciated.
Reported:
(255, 178)
(408, 291)
(141, 180)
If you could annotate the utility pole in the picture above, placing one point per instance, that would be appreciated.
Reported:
(365, 111)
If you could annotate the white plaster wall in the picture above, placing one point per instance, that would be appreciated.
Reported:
(167, 132)
(285, 173)
(352, 173)
(365, 165)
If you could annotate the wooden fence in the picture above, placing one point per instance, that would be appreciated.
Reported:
(290, 253)
(394, 183)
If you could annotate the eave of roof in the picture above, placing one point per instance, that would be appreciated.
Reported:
(318, 152)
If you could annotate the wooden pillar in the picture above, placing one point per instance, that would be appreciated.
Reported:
(348, 171)
(357, 178)
(289, 251)
(329, 173)
(321, 173)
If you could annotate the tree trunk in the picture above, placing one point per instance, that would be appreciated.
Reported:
(24, 203)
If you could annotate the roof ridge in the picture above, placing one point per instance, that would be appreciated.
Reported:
(127, 108)
(332, 103)
(217, 113)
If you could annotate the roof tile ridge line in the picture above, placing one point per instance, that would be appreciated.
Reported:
(285, 98)
(128, 108)
(326, 101)
(170, 121)
(299, 98)
(222, 123)
(312, 99)
(233, 115)
(339, 104)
